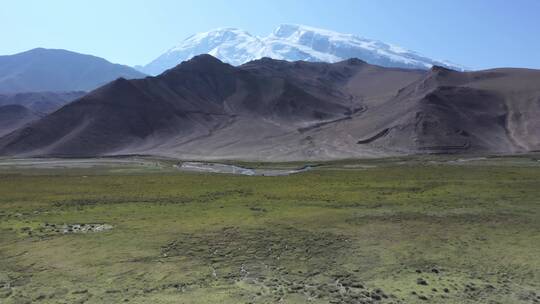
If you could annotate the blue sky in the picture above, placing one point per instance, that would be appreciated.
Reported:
(475, 33)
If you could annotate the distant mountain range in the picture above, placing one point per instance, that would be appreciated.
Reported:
(40, 102)
(41, 81)
(277, 110)
(291, 43)
(48, 70)
(313, 105)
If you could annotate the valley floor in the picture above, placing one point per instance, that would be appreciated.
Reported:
(138, 230)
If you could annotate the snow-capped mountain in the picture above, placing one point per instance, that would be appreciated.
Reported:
(291, 42)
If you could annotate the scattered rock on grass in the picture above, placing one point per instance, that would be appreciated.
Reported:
(76, 228)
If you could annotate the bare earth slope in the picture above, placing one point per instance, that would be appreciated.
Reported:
(277, 110)
(13, 117)
(485, 111)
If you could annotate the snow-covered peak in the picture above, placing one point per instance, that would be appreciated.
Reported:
(295, 31)
(231, 45)
(214, 38)
(285, 30)
(291, 42)
(305, 34)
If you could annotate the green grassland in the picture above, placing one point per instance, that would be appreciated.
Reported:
(408, 230)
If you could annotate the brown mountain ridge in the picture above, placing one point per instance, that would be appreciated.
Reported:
(277, 110)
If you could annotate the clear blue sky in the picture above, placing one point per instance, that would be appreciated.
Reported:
(474, 33)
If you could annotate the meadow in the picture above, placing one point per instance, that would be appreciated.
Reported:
(407, 230)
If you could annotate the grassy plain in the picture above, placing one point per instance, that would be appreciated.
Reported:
(411, 230)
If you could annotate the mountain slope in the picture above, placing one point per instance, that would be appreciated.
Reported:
(277, 110)
(46, 70)
(446, 111)
(13, 117)
(42, 102)
(196, 100)
(291, 43)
